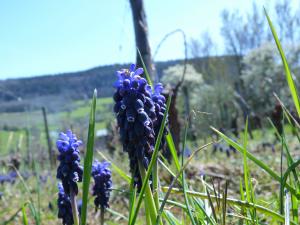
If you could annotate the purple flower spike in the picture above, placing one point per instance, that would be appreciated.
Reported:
(133, 107)
(69, 170)
(102, 177)
(139, 113)
(64, 206)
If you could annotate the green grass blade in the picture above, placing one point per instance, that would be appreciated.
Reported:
(167, 169)
(211, 206)
(115, 213)
(242, 194)
(88, 160)
(172, 149)
(174, 203)
(288, 74)
(286, 175)
(258, 162)
(294, 202)
(247, 181)
(236, 202)
(38, 188)
(29, 194)
(24, 215)
(116, 168)
(246, 169)
(150, 208)
(9, 221)
(155, 183)
(133, 193)
(184, 185)
(171, 218)
(208, 218)
(170, 187)
(289, 157)
(148, 78)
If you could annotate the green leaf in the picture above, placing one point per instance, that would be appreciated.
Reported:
(88, 160)
(288, 74)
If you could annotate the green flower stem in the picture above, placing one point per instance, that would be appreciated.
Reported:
(102, 216)
(147, 213)
(74, 207)
(149, 200)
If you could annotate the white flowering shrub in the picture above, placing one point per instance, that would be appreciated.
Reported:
(263, 75)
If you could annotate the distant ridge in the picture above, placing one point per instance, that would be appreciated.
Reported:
(74, 85)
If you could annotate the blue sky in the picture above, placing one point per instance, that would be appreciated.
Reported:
(55, 36)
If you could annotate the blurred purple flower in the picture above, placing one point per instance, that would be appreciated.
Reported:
(102, 187)
(69, 170)
(64, 206)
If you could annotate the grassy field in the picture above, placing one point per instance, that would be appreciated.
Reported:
(207, 171)
(214, 169)
(13, 136)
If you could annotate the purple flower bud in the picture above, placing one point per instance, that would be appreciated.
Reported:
(103, 184)
(69, 170)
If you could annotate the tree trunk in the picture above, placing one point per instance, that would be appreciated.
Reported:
(141, 35)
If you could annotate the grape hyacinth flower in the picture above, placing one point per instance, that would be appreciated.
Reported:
(69, 170)
(135, 115)
(64, 206)
(160, 107)
(102, 177)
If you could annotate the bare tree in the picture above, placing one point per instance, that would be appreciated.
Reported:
(287, 20)
(243, 34)
(204, 48)
(141, 35)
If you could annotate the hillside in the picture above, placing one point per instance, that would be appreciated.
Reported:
(23, 93)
